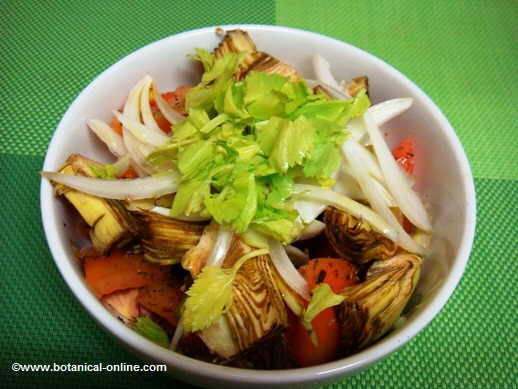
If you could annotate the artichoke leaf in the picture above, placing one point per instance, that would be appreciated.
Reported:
(355, 239)
(165, 239)
(110, 223)
(238, 41)
(371, 308)
(257, 310)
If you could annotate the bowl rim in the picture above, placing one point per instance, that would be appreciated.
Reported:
(184, 364)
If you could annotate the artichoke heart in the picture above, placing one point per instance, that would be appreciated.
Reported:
(165, 238)
(110, 223)
(238, 41)
(356, 85)
(372, 307)
(355, 239)
(268, 64)
(257, 311)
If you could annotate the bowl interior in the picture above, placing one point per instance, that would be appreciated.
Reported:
(445, 180)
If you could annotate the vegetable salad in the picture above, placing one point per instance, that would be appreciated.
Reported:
(257, 219)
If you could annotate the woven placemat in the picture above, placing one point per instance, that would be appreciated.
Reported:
(462, 53)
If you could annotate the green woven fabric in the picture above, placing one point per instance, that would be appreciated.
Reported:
(464, 54)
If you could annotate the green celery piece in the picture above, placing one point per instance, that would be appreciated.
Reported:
(206, 58)
(360, 104)
(236, 204)
(268, 105)
(259, 84)
(267, 133)
(104, 172)
(152, 331)
(214, 82)
(190, 197)
(324, 160)
(198, 117)
(297, 93)
(211, 294)
(281, 188)
(294, 142)
(332, 110)
(213, 123)
(232, 103)
(284, 230)
(322, 297)
(193, 157)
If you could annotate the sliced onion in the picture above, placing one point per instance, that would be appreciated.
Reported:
(346, 185)
(219, 251)
(141, 132)
(308, 210)
(380, 113)
(167, 212)
(177, 336)
(138, 155)
(169, 113)
(313, 229)
(387, 110)
(122, 164)
(145, 109)
(374, 197)
(297, 256)
(406, 198)
(132, 106)
(126, 189)
(358, 210)
(287, 270)
(335, 93)
(105, 133)
(322, 70)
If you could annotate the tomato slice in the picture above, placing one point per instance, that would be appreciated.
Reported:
(338, 274)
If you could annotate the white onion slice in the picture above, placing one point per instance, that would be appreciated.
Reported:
(297, 256)
(374, 197)
(145, 109)
(322, 70)
(105, 133)
(178, 333)
(122, 164)
(141, 132)
(406, 198)
(169, 113)
(132, 106)
(347, 185)
(125, 189)
(380, 113)
(308, 210)
(167, 212)
(358, 210)
(219, 251)
(335, 93)
(138, 156)
(387, 110)
(287, 270)
(311, 230)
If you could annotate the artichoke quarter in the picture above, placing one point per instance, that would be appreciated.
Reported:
(257, 312)
(110, 223)
(371, 308)
(354, 239)
(167, 240)
(238, 41)
(356, 85)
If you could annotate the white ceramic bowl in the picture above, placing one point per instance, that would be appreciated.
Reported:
(446, 183)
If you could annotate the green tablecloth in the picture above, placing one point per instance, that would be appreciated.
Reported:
(463, 53)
